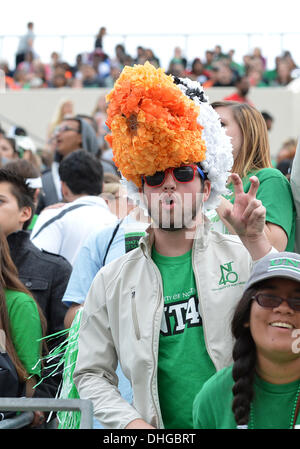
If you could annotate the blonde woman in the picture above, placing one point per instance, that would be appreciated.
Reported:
(251, 152)
(64, 109)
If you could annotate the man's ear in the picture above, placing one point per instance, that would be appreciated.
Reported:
(63, 186)
(65, 191)
(206, 190)
(26, 214)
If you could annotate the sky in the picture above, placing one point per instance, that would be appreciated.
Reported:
(219, 22)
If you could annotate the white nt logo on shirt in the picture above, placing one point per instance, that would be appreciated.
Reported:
(184, 312)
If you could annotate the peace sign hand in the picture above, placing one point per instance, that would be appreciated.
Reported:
(248, 215)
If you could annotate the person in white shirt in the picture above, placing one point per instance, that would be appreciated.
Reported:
(63, 230)
(25, 43)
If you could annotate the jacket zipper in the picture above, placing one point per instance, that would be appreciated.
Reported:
(201, 311)
(134, 315)
(158, 276)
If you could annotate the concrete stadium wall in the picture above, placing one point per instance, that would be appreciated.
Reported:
(33, 109)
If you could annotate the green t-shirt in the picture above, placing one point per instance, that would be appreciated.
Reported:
(275, 193)
(272, 405)
(270, 75)
(25, 325)
(183, 362)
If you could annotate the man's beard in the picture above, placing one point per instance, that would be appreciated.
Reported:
(181, 215)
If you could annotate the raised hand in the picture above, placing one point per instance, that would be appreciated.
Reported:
(247, 215)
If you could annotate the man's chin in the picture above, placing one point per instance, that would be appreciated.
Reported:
(60, 150)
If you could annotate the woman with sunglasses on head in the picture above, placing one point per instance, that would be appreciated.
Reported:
(251, 152)
(261, 390)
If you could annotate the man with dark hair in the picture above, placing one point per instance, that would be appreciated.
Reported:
(63, 230)
(32, 176)
(45, 275)
(72, 134)
(81, 173)
(68, 136)
(269, 119)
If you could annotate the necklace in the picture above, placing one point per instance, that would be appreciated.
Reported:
(292, 420)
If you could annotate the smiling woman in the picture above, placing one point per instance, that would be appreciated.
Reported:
(261, 390)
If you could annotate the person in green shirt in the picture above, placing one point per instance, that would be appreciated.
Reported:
(181, 338)
(26, 329)
(251, 152)
(22, 325)
(261, 390)
(166, 308)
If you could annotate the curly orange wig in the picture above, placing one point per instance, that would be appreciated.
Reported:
(154, 125)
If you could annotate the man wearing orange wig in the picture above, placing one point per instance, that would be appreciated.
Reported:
(163, 310)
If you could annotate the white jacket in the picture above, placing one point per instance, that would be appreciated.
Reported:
(295, 186)
(122, 317)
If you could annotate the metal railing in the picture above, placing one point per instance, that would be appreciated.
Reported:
(29, 405)
(17, 422)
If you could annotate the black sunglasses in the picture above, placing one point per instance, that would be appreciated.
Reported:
(183, 174)
(271, 302)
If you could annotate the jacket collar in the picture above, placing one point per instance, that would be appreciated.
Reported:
(17, 242)
(18, 237)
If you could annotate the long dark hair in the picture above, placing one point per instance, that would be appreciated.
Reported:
(9, 279)
(244, 358)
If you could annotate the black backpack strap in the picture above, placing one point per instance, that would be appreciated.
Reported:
(111, 240)
(57, 217)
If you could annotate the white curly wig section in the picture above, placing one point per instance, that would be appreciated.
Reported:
(219, 159)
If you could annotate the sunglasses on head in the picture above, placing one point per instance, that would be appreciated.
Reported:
(183, 174)
(271, 302)
(63, 129)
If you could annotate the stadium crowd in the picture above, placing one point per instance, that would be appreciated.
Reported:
(95, 68)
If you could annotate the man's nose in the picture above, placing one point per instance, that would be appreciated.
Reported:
(169, 182)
